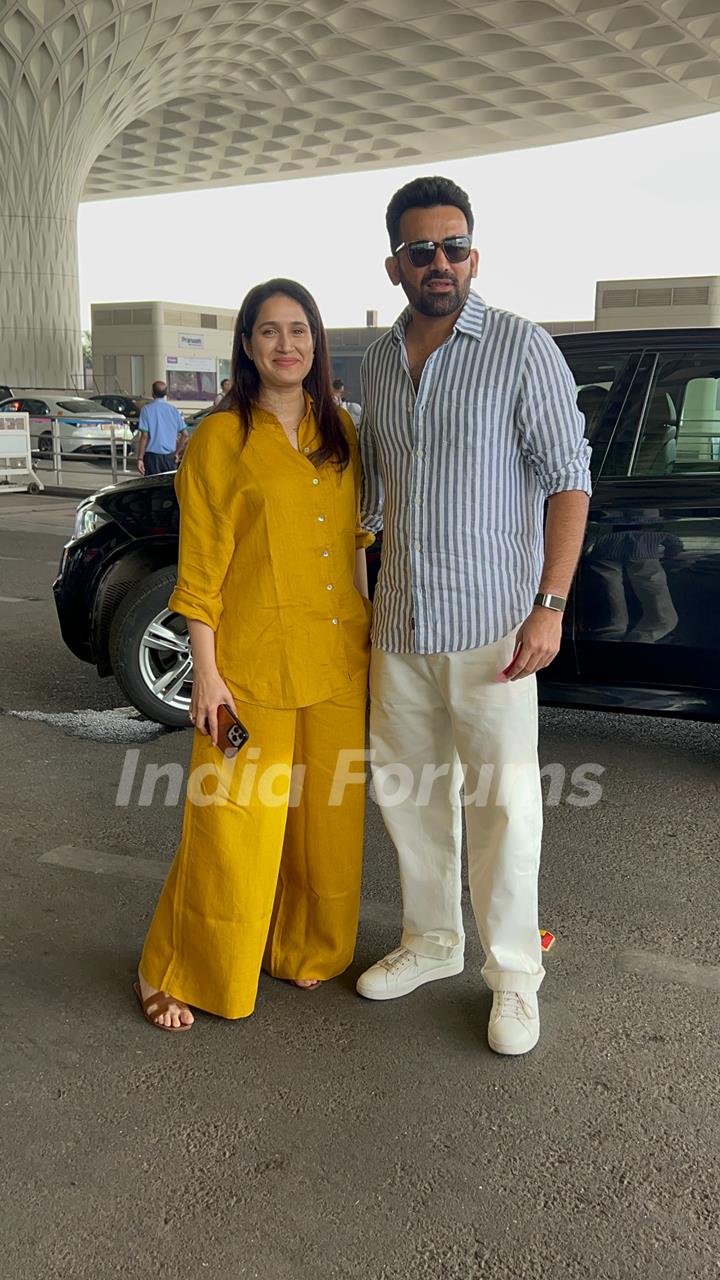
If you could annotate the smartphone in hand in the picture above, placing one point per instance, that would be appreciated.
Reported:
(232, 734)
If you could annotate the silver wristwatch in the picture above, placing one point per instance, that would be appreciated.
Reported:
(551, 602)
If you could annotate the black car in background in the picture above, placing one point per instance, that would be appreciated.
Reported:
(118, 402)
(641, 630)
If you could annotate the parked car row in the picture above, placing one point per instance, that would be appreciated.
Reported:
(84, 427)
(91, 408)
(640, 631)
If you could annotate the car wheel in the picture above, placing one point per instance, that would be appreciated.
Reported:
(45, 442)
(150, 651)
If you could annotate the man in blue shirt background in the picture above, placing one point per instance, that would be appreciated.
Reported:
(161, 432)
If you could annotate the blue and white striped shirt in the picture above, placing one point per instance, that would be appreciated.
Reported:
(457, 476)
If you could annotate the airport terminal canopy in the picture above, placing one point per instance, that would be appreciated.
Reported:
(108, 98)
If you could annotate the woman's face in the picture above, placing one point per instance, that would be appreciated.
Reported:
(281, 344)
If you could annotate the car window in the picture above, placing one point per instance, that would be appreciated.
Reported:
(36, 408)
(78, 405)
(681, 425)
(603, 380)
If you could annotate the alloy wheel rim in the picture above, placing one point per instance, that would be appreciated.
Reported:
(165, 660)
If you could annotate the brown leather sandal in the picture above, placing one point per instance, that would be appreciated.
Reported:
(161, 1001)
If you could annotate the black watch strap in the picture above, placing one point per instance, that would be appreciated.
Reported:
(551, 602)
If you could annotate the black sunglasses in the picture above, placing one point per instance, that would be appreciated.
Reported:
(422, 252)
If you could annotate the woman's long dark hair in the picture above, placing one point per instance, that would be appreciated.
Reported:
(245, 390)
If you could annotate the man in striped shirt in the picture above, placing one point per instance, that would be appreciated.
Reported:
(469, 425)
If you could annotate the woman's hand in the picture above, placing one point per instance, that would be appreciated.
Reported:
(209, 691)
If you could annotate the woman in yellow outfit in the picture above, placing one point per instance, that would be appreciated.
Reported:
(273, 583)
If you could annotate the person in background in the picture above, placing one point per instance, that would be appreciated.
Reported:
(225, 386)
(161, 434)
(349, 406)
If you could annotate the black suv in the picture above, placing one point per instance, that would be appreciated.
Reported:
(641, 631)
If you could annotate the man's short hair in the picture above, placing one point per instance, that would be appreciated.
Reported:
(425, 193)
(159, 389)
(338, 384)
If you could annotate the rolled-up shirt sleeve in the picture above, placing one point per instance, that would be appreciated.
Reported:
(363, 537)
(551, 425)
(372, 497)
(207, 538)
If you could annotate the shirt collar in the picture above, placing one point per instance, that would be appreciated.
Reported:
(264, 415)
(470, 321)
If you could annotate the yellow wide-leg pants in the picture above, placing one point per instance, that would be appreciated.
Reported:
(267, 874)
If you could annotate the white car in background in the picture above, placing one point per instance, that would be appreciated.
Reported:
(84, 426)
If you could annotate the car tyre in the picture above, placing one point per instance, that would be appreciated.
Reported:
(134, 659)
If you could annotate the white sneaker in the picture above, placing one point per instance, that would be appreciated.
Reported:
(514, 1025)
(402, 971)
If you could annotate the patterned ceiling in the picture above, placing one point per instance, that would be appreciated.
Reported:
(176, 94)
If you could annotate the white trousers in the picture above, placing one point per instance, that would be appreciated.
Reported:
(446, 739)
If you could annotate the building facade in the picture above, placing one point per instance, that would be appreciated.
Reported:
(657, 304)
(189, 347)
(135, 343)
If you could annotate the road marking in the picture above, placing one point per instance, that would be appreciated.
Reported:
(41, 528)
(668, 968)
(102, 863)
(24, 560)
(649, 964)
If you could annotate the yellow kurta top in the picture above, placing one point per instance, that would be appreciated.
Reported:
(267, 559)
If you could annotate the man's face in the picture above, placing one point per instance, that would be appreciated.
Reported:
(440, 289)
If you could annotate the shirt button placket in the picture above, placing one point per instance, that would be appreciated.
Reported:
(325, 553)
(416, 589)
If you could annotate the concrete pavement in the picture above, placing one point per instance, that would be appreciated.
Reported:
(327, 1136)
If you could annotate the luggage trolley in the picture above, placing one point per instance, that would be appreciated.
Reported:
(16, 456)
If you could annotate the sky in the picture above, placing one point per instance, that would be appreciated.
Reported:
(550, 222)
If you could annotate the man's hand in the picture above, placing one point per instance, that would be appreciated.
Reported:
(141, 466)
(538, 640)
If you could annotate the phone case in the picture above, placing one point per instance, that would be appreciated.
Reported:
(232, 734)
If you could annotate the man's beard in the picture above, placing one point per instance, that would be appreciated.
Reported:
(438, 304)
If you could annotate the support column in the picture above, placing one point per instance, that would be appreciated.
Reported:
(48, 140)
(40, 335)
(72, 77)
